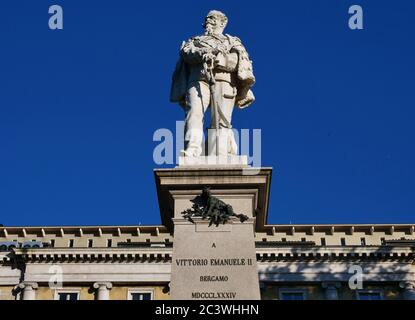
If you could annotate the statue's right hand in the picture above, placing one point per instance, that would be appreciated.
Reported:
(215, 51)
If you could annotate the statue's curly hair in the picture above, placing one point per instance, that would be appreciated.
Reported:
(216, 13)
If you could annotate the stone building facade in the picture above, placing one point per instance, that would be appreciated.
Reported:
(367, 262)
(134, 262)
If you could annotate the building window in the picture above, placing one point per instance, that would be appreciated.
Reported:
(52, 243)
(67, 295)
(292, 294)
(140, 294)
(71, 242)
(109, 243)
(343, 241)
(323, 241)
(369, 295)
(382, 241)
(303, 239)
(90, 243)
(363, 241)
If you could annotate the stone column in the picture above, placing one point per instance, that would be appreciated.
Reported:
(409, 289)
(331, 290)
(29, 288)
(103, 290)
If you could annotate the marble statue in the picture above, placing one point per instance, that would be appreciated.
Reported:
(214, 70)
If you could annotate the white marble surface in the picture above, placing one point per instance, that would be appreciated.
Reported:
(209, 161)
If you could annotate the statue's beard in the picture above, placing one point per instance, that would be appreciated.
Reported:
(211, 30)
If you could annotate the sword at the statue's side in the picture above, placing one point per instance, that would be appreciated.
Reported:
(209, 66)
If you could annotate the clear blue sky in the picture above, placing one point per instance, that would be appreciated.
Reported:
(78, 107)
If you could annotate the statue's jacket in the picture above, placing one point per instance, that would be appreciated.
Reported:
(190, 68)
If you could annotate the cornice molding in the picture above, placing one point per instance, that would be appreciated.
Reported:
(377, 253)
(164, 255)
(104, 255)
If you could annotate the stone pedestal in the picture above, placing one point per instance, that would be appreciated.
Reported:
(245, 189)
(230, 160)
(214, 262)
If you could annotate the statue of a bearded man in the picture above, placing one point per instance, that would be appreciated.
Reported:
(214, 71)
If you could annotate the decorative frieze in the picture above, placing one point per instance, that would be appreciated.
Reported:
(94, 255)
(340, 253)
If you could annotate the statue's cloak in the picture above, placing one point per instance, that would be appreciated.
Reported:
(245, 77)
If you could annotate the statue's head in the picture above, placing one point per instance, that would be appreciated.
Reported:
(215, 22)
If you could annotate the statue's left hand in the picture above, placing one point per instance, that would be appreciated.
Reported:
(210, 59)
